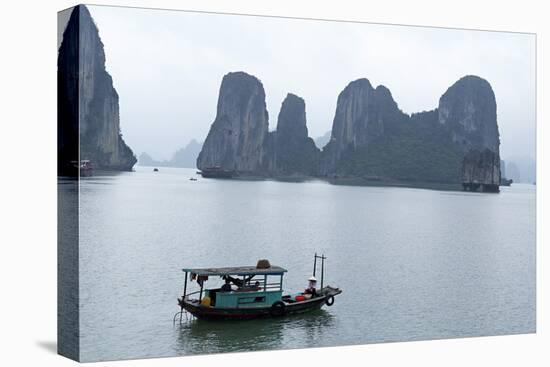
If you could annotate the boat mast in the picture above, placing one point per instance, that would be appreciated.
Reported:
(322, 257)
(314, 263)
(322, 269)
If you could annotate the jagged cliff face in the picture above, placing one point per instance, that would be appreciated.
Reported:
(468, 110)
(481, 170)
(238, 136)
(67, 95)
(239, 139)
(291, 124)
(87, 100)
(371, 137)
(363, 115)
(292, 150)
(457, 142)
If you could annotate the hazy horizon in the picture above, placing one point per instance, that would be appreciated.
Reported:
(167, 67)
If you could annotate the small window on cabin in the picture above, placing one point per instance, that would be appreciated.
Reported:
(248, 300)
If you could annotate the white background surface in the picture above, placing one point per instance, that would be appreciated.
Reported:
(28, 184)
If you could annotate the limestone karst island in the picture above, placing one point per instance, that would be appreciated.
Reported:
(372, 141)
(88, 123)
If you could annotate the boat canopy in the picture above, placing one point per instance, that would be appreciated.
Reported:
(239, 270)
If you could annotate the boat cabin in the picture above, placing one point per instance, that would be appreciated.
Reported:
(243, 287)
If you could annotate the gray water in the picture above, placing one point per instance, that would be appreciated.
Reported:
(413, 264)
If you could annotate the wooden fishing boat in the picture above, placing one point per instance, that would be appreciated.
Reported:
(250, 292)
(82, 168)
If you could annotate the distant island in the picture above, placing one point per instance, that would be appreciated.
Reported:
(322, 140)
(185, 157)
(520, 169)
(371, 139)
(88, 111)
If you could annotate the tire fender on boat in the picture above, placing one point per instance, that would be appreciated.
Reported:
(277, 308)
(329, 301)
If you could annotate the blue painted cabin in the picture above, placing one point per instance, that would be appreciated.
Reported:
(251, 287)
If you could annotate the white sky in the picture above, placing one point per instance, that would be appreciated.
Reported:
(167, 67)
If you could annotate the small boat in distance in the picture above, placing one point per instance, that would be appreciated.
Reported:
(217, 172)
(250, 292)
(192, 179)
(83, 167)
(155, 169)
(506, 181)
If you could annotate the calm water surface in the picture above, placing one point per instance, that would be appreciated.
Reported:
(414, 264)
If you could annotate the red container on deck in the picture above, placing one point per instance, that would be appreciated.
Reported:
(300, 298)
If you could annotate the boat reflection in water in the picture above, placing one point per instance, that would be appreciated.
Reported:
(204, 337)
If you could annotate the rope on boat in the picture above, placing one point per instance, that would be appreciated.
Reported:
(180, 315)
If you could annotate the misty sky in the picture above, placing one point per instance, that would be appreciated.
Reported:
(167, 67)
